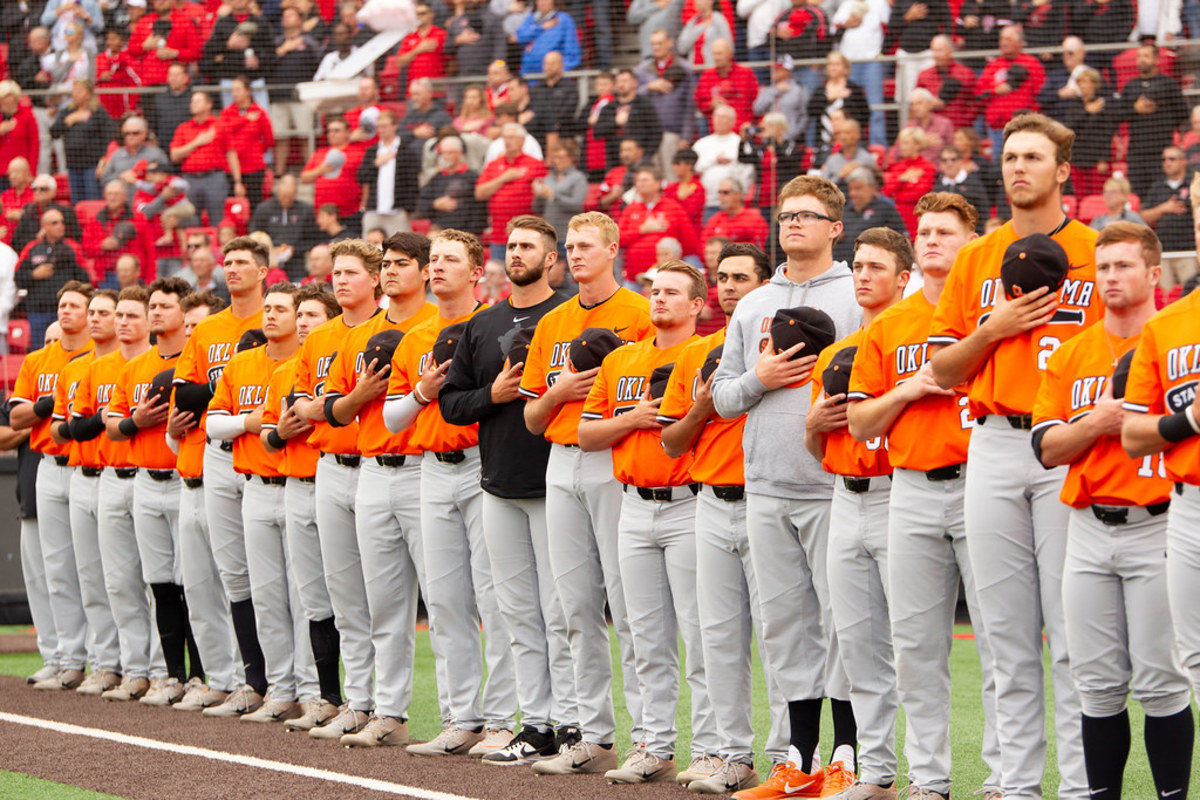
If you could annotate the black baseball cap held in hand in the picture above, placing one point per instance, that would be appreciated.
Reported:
(711, 362)
(251, 339)
(1031, 263)
(518, 349)
(836, 376)
(589, 348)
(802, 324)
(381, 347)
(659, 380)
(1121, 375)
(447, 342)
(160, 385)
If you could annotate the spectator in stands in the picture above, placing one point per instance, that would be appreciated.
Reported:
(474, 117)
(341, 45)
(1153, 105)
(717, 158)
(27, 68)
(970, 146)
(496, 83)
(1044, 22)
(665, 80)
(1116, 204)
(333, 171)
(15, 197)
(297, 58)
(849, 154)
(628, 116)
(705, 28)
(548, 29)
(618, 181)
(686, 189)
(169, 34)
(866, 209)
(837, 93)
(561, 194)
(473, 37)
(957, 180)
(330, 225)
(362, 117)
(448, 199)
(938, 130)
(952, 84)
(760, 16)
(726, 83)
(802, 31)
(59, 15)
(648, 219)
(375, 236)
(248, 127)
(204, 152)
(506, 183)
(126, 273)
(776, 158)
(135, 149)
(168, 229)
(423, 116)
(201, 271)
(494, 286)
(291, 224)
(785, 95)
(652, 16)
(112, 232)
(46, 264)
(910, 176)
(241, 43)
(537, 119)
(347, 14)
(595, 149)
(1103, 22)
(1166, 206)
(320, 265)
(45, 189)
(555, 97)
(74, 62)
(506, 113)
(913, 24)
(1062, 81)
(1091, 115)
(422, 52)
(859, 27)
(166, 111)
(86, 130)
(1009, 84)
(115, 70)
(389, 173)
(979, 23)
(18, 130)
(735, 221)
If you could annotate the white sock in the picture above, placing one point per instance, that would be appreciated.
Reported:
(794, 757)
(845, 754)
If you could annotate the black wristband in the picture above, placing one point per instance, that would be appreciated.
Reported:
(128, 427)
(1175, 427)
(275, 440)
(64, 430)
(44, 407)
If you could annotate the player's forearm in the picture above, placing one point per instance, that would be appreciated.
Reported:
(874, 416)
(112, 428)
(814, 443)
(462, 406)
(680, 437)
(602, 434)
(735, 396)
(1064, 444)
(344, 409)
(11, 439)
(1140, 436)
(265, 437)
(310, 410)
(401, 412)
(954, 364)
(539, 413)
(225, 426)
(22, 416)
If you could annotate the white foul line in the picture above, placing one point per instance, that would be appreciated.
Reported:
(232, 758)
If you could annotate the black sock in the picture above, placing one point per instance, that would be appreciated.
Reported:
(1105, 751)
(246, 632)
(326, 647)
(195, 665)
(845, 729)
(805, 719)
(1169, 745)
(171, 616)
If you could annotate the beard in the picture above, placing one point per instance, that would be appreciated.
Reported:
(529, 275)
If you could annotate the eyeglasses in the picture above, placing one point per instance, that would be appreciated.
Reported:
(724, 191)
(802, 217)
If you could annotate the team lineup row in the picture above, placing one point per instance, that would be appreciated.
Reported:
(287, 474)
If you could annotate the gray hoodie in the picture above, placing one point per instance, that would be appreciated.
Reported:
(777, 463)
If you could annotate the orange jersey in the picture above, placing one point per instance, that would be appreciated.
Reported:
(429, 431)
(374, 438)
(624, 377)
(317, 355)
(205, 355)
(241, 389)
(717, 457)
(95, 392)
(1077, 375)
(299, 458)
(1007, 383)
(149, 445)
(1163, 377)
(845, 455)
(626, 313)
(85, 454)
(38, 378)
(931, 432)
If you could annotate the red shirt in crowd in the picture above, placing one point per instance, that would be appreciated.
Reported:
(250, 133)
(342, 189)
(184, 34)
(639, 246)
(513, 198)
(428, 64)
(22, 139)
(117, 71)
(738, 87)
(208, 157)
(693, 202)
(1023, 97)
(12, 200)
(906, 181)
(130, 239)
(747, 225)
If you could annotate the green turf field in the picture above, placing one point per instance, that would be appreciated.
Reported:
(966, 726)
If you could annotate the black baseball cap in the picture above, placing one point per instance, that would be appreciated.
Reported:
(447, 342)
(711, 362)
(251, 339)
(589, 348)
(381, 347)
(1121, 375)
(659, 380)
(836, 376)
(1032, 262)
(518, 349)
(160, 385)
(802, 324)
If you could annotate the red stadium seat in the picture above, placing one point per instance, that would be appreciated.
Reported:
(422, 226)
(63, 195)
(1091, 207)
(237, 210)
(18, 336)
(268, 183)
(10, 366)
(88, 210)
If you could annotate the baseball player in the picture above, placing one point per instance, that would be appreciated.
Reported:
(284, 431)
(892, 394)
(787, 492)
(1115, 598)
(137, 413)
(235, 414)
(656, 532)
(726, 592)
(104, 651)
(208, 608)
(459, 592)
(482, 388)
(582, 497)
(1015, 524)
(208, 349)
(387, 503)
(858, 559)
(31, 407)
(355, 281)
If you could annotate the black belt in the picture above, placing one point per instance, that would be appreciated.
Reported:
(91, 472)
(306, 478)
(1110, 515)
(270, 480)
(571, 446)
(193, 483)
(346, 461)
(664, 494)
(730, 494)
(947, 473)
(451, 456)
(226, 445)
(124, 473)
(856, 485)
(161, 475)
(1020, 422)
(391, 460)
(62, 461)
